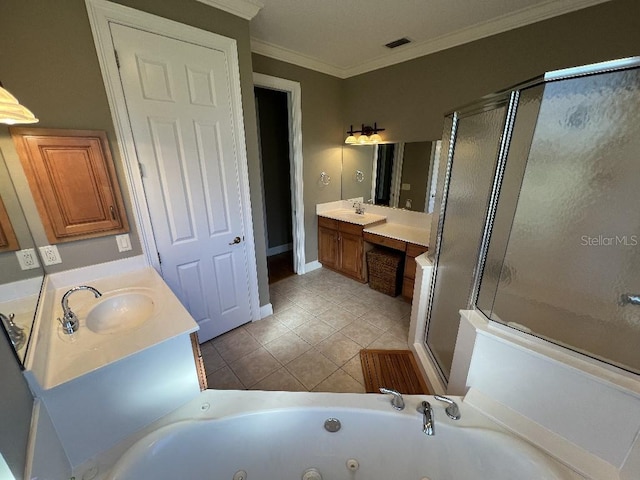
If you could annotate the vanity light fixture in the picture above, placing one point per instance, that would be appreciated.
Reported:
(369, 135)
(11, 112)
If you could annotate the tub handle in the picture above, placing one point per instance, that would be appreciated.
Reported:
(397, 401)
(452, 409)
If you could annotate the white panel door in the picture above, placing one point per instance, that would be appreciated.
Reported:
(179, 105)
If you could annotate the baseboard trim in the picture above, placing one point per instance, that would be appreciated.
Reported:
(311, 266)
(287, 247)
(266, 311)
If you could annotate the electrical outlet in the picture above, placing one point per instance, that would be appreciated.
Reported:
(50, 255)
(27, 259)
(124, 242)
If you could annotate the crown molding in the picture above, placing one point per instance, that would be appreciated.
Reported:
(246, 9)
(284, 54)
(504, 23)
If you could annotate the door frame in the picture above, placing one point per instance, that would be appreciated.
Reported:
(101, 13)
(294, 107)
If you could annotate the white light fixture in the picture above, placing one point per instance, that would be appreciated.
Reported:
(11, 112)
(369, 135)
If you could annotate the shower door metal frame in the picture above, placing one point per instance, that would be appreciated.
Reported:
(492, 102)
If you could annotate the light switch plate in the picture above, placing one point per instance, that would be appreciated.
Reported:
(406, 186)
(50, 255)
(27, 259)
(124, 242)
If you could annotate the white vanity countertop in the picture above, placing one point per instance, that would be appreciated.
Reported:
(346, 215)
(405, 233)
(70, 356)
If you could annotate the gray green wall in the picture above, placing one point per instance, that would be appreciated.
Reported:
(322, 137)
(48, 61)
(411, 98)
(51, 66)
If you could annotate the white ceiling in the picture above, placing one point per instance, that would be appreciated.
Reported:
(346, 37)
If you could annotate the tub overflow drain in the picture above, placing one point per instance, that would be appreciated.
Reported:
(332, 425)
(311, 474)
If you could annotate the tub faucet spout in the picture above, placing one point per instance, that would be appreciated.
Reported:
(397, 401)
(69, 319)
(427, 418)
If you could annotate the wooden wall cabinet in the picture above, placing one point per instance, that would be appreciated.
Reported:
(73, 182)
(341, 247)
(8, 239)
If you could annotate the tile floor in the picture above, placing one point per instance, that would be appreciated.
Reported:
(321, 321)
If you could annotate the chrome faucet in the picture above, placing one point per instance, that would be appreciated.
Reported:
(15, 332)
(397, 401)
(359, 207)
(69, 319)
(427, 418)
(452, 409)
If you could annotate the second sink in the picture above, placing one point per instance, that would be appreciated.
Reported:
(120, 311)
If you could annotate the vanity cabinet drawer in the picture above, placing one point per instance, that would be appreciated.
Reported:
(350, 228)
(328, 223)
(385, 241)
(414, 250)
(409, 267)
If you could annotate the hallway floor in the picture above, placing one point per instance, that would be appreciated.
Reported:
(321, 321)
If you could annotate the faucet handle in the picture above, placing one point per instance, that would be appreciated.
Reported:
(452, 409)
(397, 401)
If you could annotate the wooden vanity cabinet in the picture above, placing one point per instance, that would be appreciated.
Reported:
(341, 247)
(409, 278)
(73, 182)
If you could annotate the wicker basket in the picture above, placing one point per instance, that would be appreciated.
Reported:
(385, 270)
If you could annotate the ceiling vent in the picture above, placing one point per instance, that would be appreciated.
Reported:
(398, 43)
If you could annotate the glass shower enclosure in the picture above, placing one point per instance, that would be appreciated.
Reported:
(539, 226)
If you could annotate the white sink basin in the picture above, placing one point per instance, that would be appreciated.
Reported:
(120, 312)
(353, 217)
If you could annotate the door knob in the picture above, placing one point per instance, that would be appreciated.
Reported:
(235, 240)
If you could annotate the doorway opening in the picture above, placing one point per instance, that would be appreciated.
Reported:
(273, 140)
(279, 119)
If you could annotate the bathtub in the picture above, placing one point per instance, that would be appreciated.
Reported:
(281, 435)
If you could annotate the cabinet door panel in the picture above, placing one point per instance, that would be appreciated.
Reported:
(351, 254)
(328, 247)
(73, 182)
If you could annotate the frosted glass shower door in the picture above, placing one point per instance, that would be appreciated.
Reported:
(573, 249)
(470, 179)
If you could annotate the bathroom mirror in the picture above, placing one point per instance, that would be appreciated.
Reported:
(19, 288)
(397, 175)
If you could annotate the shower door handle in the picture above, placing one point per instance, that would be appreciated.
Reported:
(629, 298)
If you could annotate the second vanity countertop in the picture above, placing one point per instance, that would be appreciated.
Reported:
(405, 233)
(380, 225)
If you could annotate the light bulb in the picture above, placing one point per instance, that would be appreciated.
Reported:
(363, 139)
(375, 138)
(350, 140)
